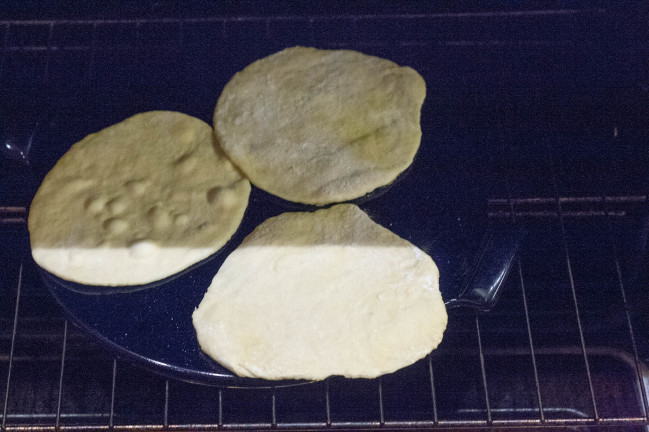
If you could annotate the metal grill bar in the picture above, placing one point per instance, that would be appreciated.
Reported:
(366, 44)
(518, 13)
(468, 424)
(43, 48)
(570, 199)
(63, 350)
(632, 335)
(482, 369)
(634, 346)
(274, 408)
(111, 418)
(528, 326)
(544, 214)
(327, 402)
(381, 414)
(531, 342)
(432, 389)
(13, 215)
(166, 409)
(572, 285)
(220, 407)
(13, 344)
(53, 416)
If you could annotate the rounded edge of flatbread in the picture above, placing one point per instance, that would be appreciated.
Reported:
(311, 295)
(321, 126)
(137, 202)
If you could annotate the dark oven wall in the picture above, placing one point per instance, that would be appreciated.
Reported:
(535, 117)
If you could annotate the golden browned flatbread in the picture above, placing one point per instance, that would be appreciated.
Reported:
(321, 126)
(137, 202)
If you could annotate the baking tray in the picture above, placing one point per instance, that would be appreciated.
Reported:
(436, 207)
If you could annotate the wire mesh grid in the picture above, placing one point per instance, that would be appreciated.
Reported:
(56, 378)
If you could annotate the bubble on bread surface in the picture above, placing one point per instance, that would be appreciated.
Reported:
(116, 225)
(181, 219)
(95, 204)
(143, 249)
(159, 218)
(137, 187)
(186, 163)
(117, 205)
(78, 184)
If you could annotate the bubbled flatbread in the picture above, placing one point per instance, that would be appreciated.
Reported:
(137, 202)
(309, 295)
(321, 126)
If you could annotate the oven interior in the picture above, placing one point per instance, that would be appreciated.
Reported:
(539, 120)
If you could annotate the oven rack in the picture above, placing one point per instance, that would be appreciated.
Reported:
(65, 347)
(528, 366)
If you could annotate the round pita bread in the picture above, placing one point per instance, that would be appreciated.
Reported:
(309, 295)
(321, 126)
(137, 202)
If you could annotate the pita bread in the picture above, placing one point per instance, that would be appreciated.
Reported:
(321, 126)
(309, 295)
(137, 202)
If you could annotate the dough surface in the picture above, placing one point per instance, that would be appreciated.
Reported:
(321, 126)
(137, 202)
(309, 295)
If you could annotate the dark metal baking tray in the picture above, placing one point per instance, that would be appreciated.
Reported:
(151, 325)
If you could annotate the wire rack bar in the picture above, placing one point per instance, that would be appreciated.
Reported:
(468, 424)
(220, 423)
(327, 402)
(530, 341)
(111, 417)
(634, 346)
(381, 413)
(633, 340)
(12, 346)
(166, 409)
(572, 285)
(432, 389)
(364, 44)
(300, 426)
(485, 14)
(483, 370)
(570, 199)
(274, 408)
(60, 393)
(528, 326)
(294, 18)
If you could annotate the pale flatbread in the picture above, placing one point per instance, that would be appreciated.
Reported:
(309, 295)
(137, 202)
(321, 126)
